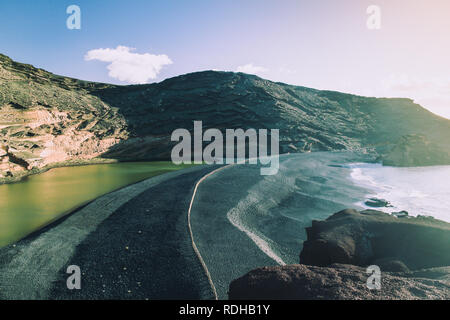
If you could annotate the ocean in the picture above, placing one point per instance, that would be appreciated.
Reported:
(417, 190)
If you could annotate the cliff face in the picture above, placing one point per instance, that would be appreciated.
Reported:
(47, 119)
(415, 150)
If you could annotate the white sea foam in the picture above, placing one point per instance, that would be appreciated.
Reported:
(418, 190)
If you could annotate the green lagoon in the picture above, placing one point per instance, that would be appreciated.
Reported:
(40, 199)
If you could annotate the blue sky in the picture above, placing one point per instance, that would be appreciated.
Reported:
(323, 44)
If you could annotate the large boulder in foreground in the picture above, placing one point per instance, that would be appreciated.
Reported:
(413, 255)
(338, 282)
(374, 237)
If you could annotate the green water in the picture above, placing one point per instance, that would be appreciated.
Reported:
(34, 202)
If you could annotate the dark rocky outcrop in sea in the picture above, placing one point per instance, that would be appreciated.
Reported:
(377, 203)
(413, 255)
(47, 119)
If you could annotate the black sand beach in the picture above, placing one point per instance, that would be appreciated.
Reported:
(269, 213)
(135, 243)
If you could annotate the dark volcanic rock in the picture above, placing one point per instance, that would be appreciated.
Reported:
(401, 214)
(413, 255)
(302, 282)
(377, 203)
(360, 238)
(391, 265)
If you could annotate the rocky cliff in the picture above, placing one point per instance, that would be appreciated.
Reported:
(47, 120)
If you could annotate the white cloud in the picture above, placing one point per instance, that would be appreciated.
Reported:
(128, 66)
(251, 69)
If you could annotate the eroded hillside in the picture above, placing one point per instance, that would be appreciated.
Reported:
(47, 119)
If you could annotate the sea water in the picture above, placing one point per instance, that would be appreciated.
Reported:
(417, 190)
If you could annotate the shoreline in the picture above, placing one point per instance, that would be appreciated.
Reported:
(144, 231)
(251, 197)
(397, 192)
(62, 243)
(370, 158)
(72, 163)
(63, 164)
(94, 161)
(59, 213)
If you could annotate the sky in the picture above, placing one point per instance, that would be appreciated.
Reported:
(399, 48)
